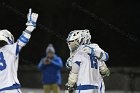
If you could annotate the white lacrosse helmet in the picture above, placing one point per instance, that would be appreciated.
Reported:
(6, 36)
(87, 39)
(75, 39)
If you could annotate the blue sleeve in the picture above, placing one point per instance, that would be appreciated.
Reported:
(41, 65)
(58, 63)
(18, 48)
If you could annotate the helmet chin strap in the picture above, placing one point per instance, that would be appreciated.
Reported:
(72, 52)
(76, 46)
(74, 49)
(73, 46)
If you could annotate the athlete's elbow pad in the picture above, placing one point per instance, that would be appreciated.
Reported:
(24, 38)
(102, 56)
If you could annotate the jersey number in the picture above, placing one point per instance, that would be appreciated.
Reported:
(93, 59)
(2, 62)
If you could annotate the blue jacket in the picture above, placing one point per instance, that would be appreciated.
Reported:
(52, 72)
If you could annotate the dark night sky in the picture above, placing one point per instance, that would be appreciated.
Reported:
(62, 16)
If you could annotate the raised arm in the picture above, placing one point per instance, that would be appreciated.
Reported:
(31, 25)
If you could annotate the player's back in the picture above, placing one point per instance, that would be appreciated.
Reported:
(100, 63)
(8, 67)
(89, 68)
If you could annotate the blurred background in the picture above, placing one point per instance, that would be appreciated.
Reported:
(114, 25)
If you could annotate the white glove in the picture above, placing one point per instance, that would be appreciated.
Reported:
(70, 89)
(31, 18)
(72, 79)
(66, 91)
(104, 71)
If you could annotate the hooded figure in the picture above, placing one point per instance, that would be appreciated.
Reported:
(50, 66)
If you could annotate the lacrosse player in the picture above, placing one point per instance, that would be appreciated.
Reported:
(84, 61)
(9, 55)
(104, 71)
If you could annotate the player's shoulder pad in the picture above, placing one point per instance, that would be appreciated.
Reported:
(87, 48)
(11, 48)
(94, 45)
(84, 49)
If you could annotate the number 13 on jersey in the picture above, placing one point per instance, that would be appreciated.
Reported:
(2, 62)
(93, 59)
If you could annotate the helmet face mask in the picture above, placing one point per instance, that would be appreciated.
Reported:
(75, 38)
(73, 45)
